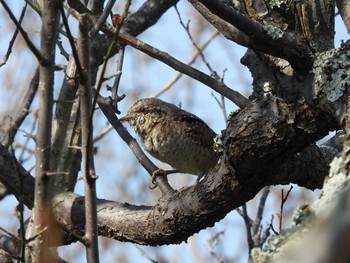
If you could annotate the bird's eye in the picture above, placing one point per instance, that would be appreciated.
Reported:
(141, 119)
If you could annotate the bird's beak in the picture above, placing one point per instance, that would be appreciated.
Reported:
(126, 118)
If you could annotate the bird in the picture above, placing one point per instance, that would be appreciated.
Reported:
(173, 135)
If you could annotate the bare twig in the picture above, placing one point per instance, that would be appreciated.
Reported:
(108, 55)
(101, 20)
(256, 226)
(191, 61)
(116, 98)
(221, 104)
(35, 6)
(200, 52)
(261, 208)
(20, 207)
(145, 255)
(63, 51)
(248, 225)
(212, 242)
(87, 142)
(271, 226)
(12, 41)
(107, 109)
(25, 144)
(32, 47)
(42, 215)
(103, 133)
(71, 42)
(22, 113)
(283, 201)
(219, 87)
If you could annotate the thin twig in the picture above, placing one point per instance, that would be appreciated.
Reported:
(216, 85)
(35, 6)
(191, 61)
(261, 207)
(25, 145)
(247, 222)
(271, 226)
(63, 51)
(212, 242)
(221, 104)
(103, 133)
(259, 239)
(116, 98)
(15, 34)
(200, 52)
(32, 47)
(90, 177)
(22, 113)
(283, 201)
(144, 254)
(71, 42)
(102, 19)
(20, 207)
(129, 39)
(107, 109)
(111, 47)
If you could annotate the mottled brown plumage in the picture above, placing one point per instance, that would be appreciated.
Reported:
(173, 136)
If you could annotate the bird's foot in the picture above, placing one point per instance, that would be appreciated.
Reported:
(160, 173)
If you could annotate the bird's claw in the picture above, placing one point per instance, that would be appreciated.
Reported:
(160, 172)
(157, 173)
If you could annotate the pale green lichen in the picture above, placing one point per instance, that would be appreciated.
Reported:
(336, 80)
(277, 3)
(272, 31)
(218, 144)
(267, 88)
(305, 218)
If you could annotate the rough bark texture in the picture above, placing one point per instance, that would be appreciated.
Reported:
(300, 94)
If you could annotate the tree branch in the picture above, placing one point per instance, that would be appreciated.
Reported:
(269, 39)
(167, 222)
(344, 9)
(216, 85)
(41, 211)
(41, 57)
(23, 112)
(150, 167)
(15, 34)
(86, 115)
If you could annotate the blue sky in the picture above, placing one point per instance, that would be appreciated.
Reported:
(115, 163)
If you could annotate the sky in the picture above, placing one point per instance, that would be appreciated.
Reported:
(143, 77)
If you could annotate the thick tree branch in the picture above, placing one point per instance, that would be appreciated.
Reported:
(263, 143)
(10, 173)
(147, 15)
(167, 222)
(268, 38)
(225, 28)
